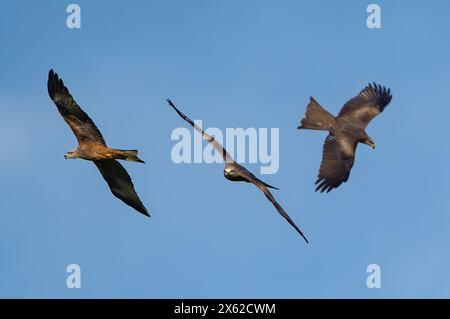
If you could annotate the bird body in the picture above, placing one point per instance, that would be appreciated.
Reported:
(345, 132)
(96, 152)
(238, 173)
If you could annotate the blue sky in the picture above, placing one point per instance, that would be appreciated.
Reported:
(231, 64)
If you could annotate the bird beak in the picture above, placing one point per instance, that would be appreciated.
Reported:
(372, 144)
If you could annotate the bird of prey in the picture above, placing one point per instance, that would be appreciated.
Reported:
(345, 132)
(92, 146)
(237, 173)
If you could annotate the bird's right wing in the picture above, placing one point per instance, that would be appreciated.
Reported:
(120, 184)
(337, 161)
(262, 186)
(81, 124)
(226, 156)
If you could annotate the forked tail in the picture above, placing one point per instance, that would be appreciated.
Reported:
(316, 117)
(129, 155)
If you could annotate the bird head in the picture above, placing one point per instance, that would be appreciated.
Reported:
(70, 154)
(228, 171)
(369, 142)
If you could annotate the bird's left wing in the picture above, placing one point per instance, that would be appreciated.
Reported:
(81, 124)
(262, 186)
(226, 156)
(370, 102)
(120, 184)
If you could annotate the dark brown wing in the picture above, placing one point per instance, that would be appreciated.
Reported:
(120, 184)
(262, 186)
(226, 157)
(367, 104)
(337, 161)
(80, 123)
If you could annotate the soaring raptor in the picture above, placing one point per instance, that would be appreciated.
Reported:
(92, 146)
(345, 132)
(237, 173)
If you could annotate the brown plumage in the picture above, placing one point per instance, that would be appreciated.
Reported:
(92, 145)
(237, 173)
(345, 132)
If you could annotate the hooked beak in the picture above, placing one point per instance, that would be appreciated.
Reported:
(372, 144)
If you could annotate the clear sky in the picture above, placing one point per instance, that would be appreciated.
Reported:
(230, 64)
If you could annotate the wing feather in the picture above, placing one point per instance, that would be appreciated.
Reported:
(370, 102)
(337, 161)
(120, 184)
(81, 124)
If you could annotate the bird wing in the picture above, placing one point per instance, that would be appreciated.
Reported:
(367, 104)
(120, 183)
(80, 123)
(226, 156)
(337, 161)
(262, 186)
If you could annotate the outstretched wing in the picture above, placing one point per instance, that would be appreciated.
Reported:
(80, 123)
(337, 161)
(262, 186)
(120, 184)
(367, 104)
(226, 157)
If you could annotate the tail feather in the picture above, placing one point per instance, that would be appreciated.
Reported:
(316, 117)
(131, 155)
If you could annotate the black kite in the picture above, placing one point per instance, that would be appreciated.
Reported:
(345, 132)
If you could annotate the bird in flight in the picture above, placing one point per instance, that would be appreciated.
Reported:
(92, 146)
(345, 132)
(237, 173)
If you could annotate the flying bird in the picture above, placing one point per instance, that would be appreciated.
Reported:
(345, 132)
(92, 146)
(237, 173)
